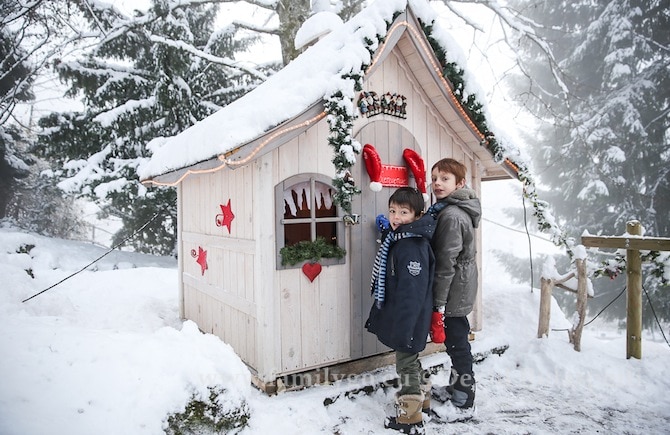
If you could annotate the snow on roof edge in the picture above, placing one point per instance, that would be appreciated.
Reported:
(319, 71)
(281, 97)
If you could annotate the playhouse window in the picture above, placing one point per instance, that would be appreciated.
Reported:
(306, 208)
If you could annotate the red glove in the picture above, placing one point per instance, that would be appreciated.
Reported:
(437, 334)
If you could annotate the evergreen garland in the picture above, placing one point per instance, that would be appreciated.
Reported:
(310, 251)
(340, 119)
(341, 115)
(545, 220)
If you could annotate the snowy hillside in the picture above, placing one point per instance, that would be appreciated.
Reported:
(105, 353)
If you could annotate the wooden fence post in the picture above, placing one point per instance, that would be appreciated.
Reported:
(576, 330)
(634, 290)
(546, 288)
(632, 245)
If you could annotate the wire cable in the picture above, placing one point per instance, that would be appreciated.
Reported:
(606, 307)
(655, 316)
(153, 218)
(599, 312)
(653, 311)
(517, 230)
(530, 246)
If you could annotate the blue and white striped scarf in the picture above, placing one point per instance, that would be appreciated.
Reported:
(436, 208)
(378, 280)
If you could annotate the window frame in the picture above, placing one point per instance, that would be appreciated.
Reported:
(289, 182)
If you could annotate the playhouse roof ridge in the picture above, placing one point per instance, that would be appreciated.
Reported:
(313, 76)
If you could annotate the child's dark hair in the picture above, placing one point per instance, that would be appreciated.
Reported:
(409, 196)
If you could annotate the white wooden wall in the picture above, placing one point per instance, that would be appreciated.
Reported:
(278, 321)
(314, 327)
(435, 136)
(222, 300)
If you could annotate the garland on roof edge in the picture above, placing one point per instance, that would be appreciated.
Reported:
(545, 220)
(473, 108)
(341, 118)
(341, 125)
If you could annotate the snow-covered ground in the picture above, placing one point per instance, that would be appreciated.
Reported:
(105, 353)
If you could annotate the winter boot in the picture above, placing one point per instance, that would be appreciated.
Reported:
(443, 393)
(460, 403)
(426, 391)
(408, 419)
(463, 395)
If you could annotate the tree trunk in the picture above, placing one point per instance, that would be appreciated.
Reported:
(291, 16)
(547, 286)
(576, 331)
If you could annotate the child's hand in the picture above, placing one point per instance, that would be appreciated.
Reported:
(382, 223)
(437, 334)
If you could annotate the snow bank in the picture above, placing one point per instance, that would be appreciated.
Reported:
(106, 353)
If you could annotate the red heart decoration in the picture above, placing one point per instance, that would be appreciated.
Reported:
(311, 270)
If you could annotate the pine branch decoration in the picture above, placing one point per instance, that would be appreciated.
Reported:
(310, 251)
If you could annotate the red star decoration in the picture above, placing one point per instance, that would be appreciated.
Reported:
(226, 217)
(202, 259)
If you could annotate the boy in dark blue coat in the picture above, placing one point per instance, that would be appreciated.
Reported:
(402, 280)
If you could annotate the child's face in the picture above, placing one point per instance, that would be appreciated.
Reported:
(400, 214)
(443, 183)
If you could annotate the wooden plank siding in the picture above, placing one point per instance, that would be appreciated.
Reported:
(312, 330)
(276, 320)
(434, 137)
(267, 288)
(221, 301)
(180, 247)
(476, 317)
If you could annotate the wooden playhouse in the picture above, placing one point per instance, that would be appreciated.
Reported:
(254, 178)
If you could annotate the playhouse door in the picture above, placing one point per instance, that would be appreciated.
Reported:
(389, 139)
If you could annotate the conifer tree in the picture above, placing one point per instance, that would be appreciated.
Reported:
(15, 86)
(150, 78)
(30, 33)
(603, 103)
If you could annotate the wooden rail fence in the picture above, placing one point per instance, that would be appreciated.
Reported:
(633, 242)
(547, 287)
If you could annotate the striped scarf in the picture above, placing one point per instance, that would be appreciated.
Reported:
(436, 208)
(378, 280)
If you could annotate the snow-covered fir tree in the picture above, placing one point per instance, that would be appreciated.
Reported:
(603, 148)
(26, 199)
(15, 86)
(153, 75)
(14, 167)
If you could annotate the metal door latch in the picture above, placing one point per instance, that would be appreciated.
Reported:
(351, 219)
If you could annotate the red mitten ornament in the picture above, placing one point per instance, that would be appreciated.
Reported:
(373, 164)
(418, 169)
(437, 334)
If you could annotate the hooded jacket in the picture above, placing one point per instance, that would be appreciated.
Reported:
(455, 284)
(403, 321)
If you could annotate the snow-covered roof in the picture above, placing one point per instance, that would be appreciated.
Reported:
(310, 78)
(315, 27)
